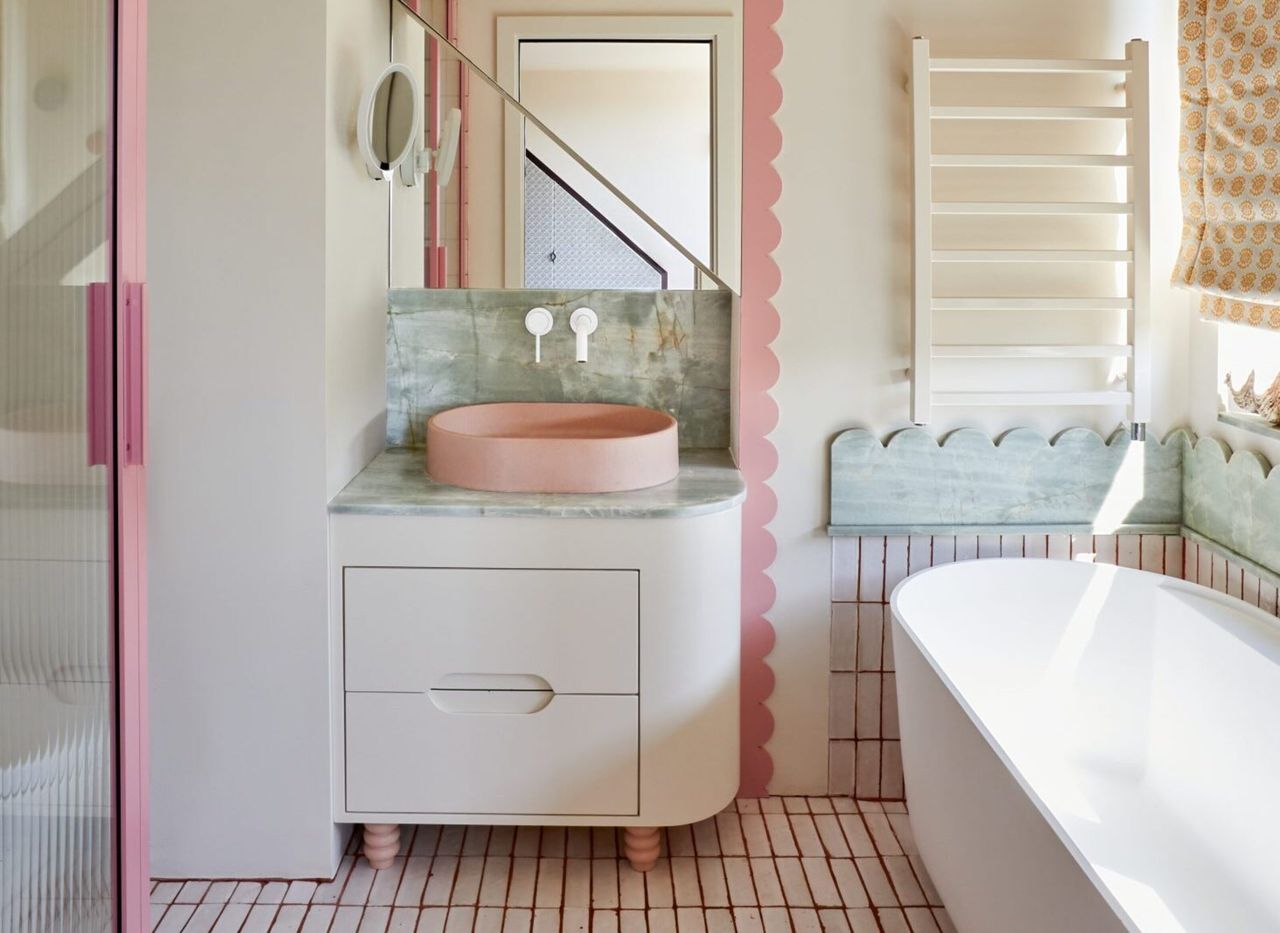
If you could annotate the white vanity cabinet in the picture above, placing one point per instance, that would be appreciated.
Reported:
(458, 680)
(529, 669)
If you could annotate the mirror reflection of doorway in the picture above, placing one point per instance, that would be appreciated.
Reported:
(642, 112)
(569, 243)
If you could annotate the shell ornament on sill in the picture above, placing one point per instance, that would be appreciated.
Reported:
(1266, 405)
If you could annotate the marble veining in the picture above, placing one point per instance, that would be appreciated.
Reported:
(396, 483)
(916, 484)
(666, 350)
(1023, 483)
(1233, 499)
(1245, 421)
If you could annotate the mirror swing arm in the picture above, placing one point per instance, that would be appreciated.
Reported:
(443, 157)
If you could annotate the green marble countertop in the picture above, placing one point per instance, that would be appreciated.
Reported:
(396, 483)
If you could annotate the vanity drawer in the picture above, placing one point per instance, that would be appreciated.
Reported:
(412, 629)
(576, 756)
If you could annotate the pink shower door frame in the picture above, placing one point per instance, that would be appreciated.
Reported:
(129, 489)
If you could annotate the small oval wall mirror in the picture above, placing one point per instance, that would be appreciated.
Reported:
(387, 125)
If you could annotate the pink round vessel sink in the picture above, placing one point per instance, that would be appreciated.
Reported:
(552, 447)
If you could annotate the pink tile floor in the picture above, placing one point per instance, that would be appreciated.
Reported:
(819, 864)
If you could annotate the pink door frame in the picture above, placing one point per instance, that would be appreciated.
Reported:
(129, 493)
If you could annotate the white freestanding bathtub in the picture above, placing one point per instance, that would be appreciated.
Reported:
(1089, 748)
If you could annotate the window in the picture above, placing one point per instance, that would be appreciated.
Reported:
(1245, 350)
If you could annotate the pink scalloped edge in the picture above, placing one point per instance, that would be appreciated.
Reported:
(758, 413)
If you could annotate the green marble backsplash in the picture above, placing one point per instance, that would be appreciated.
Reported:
(666, 350)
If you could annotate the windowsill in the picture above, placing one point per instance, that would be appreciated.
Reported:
(1248, 422)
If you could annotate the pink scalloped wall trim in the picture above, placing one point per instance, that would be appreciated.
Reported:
(761, 278)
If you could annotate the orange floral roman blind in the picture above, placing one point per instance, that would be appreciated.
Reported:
(1229, 158)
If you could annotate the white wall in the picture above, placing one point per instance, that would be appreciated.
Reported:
(407, 204)
(844, 256)
(357, 274)
(268, 277)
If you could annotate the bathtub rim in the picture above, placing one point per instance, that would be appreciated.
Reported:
(1258, 615)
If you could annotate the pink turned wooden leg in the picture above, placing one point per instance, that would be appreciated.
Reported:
(381, 844)
(641, 845)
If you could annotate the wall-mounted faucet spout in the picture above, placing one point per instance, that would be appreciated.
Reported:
(583, 323)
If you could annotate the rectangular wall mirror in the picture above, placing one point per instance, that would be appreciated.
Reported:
(594, 152)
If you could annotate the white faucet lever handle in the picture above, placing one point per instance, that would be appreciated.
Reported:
(538, 322)
(583, 323)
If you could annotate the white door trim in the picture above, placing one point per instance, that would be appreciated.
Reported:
(725, 35)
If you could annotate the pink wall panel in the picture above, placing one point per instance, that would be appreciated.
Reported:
(761, 188)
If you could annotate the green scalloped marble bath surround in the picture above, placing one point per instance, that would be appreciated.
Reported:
(668, 350)
(1076, 480)
(1233, 499)
(1023, 482)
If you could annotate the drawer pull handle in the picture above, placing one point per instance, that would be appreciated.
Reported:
(492, 682)
(491, 702)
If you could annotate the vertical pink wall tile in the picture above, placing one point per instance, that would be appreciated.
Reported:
(871, 569)
(872, 621)
(1106, 549)
(1235, 579)
(895, 562)
(840, 768)
(1035, 546)
(841, 705)
(1218, 572)
(844, 636)
(919, 553)
(1151, 553)
(867, 707)
(866, 763)
(966, 547)
(1129, 551)
(844, 569)
(944, 550)
(891, 783)
(889, 706)
(1012, 546)
(1250, 585)
(1174, 559)
(1082, 548)
(988, 546)
(1059, 547)
(1267, 597)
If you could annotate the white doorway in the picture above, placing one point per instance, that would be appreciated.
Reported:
(653, 103)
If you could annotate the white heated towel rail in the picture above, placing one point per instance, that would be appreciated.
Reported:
(1134, 397)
